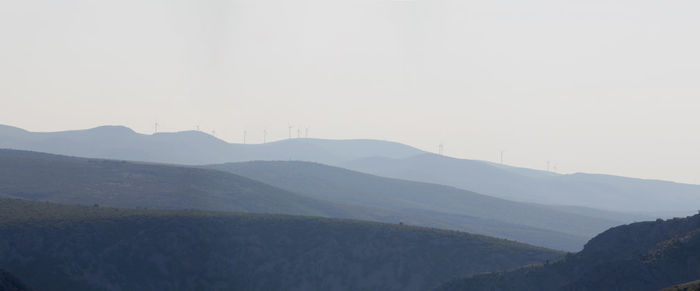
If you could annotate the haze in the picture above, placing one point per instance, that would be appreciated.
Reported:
(591, 86)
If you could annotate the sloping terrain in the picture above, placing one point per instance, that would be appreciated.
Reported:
(639, 256)
(63, 247)
(536, 224)
(606, 192)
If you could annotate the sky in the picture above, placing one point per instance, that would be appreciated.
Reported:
(590, 86)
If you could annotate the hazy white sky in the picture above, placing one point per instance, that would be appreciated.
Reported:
(592, 86)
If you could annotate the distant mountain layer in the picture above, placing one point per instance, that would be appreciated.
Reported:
(382, 158)
(588, 190)
(60, 247)
(191, 147)
(639, 256)
(535, 224)
(9, 282)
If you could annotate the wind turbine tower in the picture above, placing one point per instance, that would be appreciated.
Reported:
(156, 131)
(502, 157)
(264, 135)
(290, 131)
(245, 132)
(441, 147)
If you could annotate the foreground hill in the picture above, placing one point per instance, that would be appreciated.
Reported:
(191, 147)
(60, 247)
(589, 190)
(459, 209)
(639, 256)
(9, 282)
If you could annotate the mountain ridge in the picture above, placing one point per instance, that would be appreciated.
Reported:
(382, 158)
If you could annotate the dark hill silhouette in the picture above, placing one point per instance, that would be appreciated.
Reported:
(640, 256)
(520, 221)
(61, 247)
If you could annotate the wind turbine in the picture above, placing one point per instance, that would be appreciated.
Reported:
(290, 131)
(245, 132)
(441, 147)
(502, 156)
(264, 135)
(156, 131)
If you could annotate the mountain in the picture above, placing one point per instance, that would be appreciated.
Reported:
(68, 247)
(639, 256)
(612, 193)
(625, 199)
(191, 147)
(70, 180)
(9, 282)
(530, 223)
(46, 177)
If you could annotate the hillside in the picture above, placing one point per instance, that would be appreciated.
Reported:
(45, 177)
(191, 147)
(62, 247)
(535, 224)
(9, 282)
(612, 193)
(639, 256)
